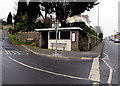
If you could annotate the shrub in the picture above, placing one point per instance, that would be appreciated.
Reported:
(36, 25)
(100, 35)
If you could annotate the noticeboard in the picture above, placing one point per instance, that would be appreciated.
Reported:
(73, 37)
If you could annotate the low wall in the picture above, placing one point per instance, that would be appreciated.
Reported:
(28, 36)
(83, 43)
(87, 43)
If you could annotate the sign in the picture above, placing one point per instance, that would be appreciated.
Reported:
(73, 37)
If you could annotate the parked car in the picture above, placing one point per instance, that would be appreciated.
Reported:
(117, 41)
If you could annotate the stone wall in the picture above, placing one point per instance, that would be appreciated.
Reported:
(83, 43)
(87, 43)
(28, 36)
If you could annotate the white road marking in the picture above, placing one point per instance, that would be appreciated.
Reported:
(105, 56)
(95, 71)
(13, 52)
(7, 52)
(32, 50)
(46, 71)
(111, 70)
(17, 52)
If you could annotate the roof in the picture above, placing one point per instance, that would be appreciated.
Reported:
(53, 29)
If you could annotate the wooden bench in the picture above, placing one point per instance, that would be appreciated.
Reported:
(60, 45)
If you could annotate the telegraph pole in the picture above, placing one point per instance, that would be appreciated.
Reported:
(98, 16)
(114, 33)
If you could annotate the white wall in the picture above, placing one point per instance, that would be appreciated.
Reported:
(67, 41)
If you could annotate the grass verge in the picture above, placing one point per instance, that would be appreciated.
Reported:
(13, 39)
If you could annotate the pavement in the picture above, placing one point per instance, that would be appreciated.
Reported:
(95, 52)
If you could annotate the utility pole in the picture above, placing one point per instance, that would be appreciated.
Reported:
(98, 16)
(114, 33)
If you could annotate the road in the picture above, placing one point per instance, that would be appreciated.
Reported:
(23, 67)
(110, 59)
(63, 72)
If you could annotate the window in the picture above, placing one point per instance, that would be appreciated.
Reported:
(53, 35)
(65, 35)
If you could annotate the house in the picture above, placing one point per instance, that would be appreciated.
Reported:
(112, 37)
(78, 18)
(117, 35)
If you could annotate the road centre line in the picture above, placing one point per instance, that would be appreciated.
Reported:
(46, 71)
(111, 70)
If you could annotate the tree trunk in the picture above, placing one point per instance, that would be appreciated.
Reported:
(63, 23)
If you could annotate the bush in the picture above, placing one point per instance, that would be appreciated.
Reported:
(89, 30)
(37, 25)
(100, 35)
(14, 40)
(82, 25)
(20, 26)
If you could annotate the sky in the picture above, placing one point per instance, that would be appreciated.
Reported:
(108, 14)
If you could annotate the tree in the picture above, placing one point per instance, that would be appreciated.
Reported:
(33, 11)
(65, 9)
(29, 13)
(100, 35)
(47, 7)
(21, 11)
(4, 22)
(9, 18)
(71, 9)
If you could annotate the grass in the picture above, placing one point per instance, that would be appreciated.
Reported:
(6, 28)
(13, 39)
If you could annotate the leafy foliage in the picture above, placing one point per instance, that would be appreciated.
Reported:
(61, 9)
(65, 9)
(4, 22)
(37, 25)
(9, 18)
(100, 35)
(33, 11)
(82, 25)
(89, 30)
(21, 11)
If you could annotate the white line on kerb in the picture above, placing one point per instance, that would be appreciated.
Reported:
(50, 72)
(111, 70)
(95, 71)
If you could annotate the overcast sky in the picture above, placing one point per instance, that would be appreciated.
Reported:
(108, 14)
